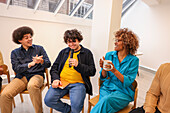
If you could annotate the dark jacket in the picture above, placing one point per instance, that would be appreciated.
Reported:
(20, 58)
(85, 66)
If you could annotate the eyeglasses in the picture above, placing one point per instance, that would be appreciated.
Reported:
(117, 40)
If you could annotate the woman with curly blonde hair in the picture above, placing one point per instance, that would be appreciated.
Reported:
(116, 92)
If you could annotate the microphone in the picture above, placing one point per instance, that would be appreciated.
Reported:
(71, 56)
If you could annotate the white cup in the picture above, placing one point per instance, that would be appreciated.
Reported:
(106, 62)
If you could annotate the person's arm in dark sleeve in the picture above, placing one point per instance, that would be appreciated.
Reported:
(55, 75)
(16, 65)
(46, 62)
(89, 69)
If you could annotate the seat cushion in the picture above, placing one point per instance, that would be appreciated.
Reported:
(95, 99)
(66, 96)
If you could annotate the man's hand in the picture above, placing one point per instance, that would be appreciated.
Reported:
(31, 64)
(56, 83)
(38, 59)
(73, 62)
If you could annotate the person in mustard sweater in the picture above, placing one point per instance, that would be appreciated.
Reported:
(74, 64)
(1, 69)
(1, 59)
(158, 97)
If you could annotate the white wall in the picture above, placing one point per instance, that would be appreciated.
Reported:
(106, 20)
(151, 24)
(49, 34)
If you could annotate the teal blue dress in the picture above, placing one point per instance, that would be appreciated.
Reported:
(115, 95)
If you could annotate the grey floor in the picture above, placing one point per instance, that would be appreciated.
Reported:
(144, 80)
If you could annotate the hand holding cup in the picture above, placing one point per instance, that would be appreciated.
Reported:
(107, 65)
(101, 62)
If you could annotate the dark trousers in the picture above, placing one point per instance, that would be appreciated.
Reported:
(0, 83)
(141, 110)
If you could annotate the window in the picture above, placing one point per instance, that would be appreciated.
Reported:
(126, 5)
(83, 8)
(22, 3)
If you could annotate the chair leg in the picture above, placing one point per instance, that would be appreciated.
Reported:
(89, 108)
(22, 100)
(51, 110)
(13, 101)
(83, 110)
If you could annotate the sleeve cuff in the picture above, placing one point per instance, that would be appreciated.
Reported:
(126, 81)
(101, 77)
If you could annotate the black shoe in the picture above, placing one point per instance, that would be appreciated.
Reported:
(0, 83)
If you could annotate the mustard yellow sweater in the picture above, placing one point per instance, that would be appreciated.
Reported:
(159, 92)
(1, 59)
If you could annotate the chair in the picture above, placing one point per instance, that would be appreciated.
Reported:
(93, 101)
(42, 87)
(68, 97)
(6, 72)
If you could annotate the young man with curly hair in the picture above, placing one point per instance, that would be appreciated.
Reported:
(28, 62)
(75, 69)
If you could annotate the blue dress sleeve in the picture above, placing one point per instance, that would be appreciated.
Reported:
(130, 76)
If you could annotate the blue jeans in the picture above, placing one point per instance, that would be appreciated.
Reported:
(77, 93)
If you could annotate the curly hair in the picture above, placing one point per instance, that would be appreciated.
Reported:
(72, 35)
(19, 33)
(130, 40)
